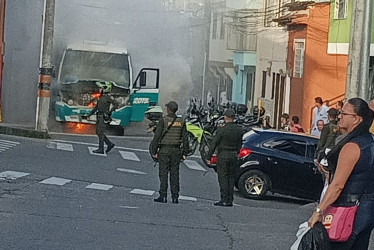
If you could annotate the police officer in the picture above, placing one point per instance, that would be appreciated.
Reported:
(103, 114)
(228, 140)
(169, 146)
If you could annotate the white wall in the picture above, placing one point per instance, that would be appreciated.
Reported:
(271, 52)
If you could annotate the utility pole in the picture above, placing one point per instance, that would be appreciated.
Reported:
(45, 67)
(207, 19)
(357, 84)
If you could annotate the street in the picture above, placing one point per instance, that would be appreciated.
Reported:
(56, 194)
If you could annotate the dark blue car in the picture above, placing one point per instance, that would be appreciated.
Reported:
(279, 162)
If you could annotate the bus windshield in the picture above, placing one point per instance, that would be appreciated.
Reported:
(89, 65)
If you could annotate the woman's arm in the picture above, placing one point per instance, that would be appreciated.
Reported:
(348, 158)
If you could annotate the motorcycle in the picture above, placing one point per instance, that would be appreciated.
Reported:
(200, 125)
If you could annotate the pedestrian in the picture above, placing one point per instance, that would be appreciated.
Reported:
(169, 146)
(285, 122)
(329, 133)
(227, 141)
(351, 164)
(103, 111)
(371, 106)
(295, 126)
(339, 105)
(317, 130)
(319, 113)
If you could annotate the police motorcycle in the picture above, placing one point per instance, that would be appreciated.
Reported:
(201, 125)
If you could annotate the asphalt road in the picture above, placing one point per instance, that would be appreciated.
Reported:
(56, 194)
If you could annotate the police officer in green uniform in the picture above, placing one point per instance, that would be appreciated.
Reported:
(228, 140)
(169, 146)
(103, 114)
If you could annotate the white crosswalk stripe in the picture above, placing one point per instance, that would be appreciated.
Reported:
(187, 198)
(91, 149)
(142, 192)
(64, 146)
(129, 156)
(12, 175)
(130, 171)
(194, 165)
(55, 181)
(99, 186)
(5, 145)
(126, 155)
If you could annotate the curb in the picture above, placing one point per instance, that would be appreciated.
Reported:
(24, 132)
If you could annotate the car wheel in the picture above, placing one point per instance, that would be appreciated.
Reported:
(254, 184)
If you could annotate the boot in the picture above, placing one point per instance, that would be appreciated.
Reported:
(175, 201)
(100, 150)
(160, 199)
(110, 146)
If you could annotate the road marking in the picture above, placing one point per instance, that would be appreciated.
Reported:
(187, 198)
(117, 147)
(128, 207)
(130, 171)
(64, 146)
(99, 186)
(55, 181)
(194, 165)
(4, 145)
(129, 156)
(91, 149)
(9, 142)
(142, 192)
(12, 175)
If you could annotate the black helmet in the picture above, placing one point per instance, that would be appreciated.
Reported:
(241, 109)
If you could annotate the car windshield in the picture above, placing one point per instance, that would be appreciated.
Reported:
(88, 65)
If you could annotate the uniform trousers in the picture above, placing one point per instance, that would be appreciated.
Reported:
(226, 161)
(169, 158)
(100, 127)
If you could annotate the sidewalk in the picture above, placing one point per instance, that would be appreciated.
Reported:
(10, 129)
(137, 129)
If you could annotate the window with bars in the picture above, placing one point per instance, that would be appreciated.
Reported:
(341, 9)
(299, 49)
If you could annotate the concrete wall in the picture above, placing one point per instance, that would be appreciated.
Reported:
(271, 57)
(23, 25)
(324, 74)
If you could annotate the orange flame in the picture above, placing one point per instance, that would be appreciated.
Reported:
(79, 126)
(95, 95)
(91, 105)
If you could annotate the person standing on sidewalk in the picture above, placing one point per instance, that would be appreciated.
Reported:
(169, 146)
(319, 113)
(103, 115)
(228, 140)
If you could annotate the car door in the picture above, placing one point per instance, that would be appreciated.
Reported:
(286, 162)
